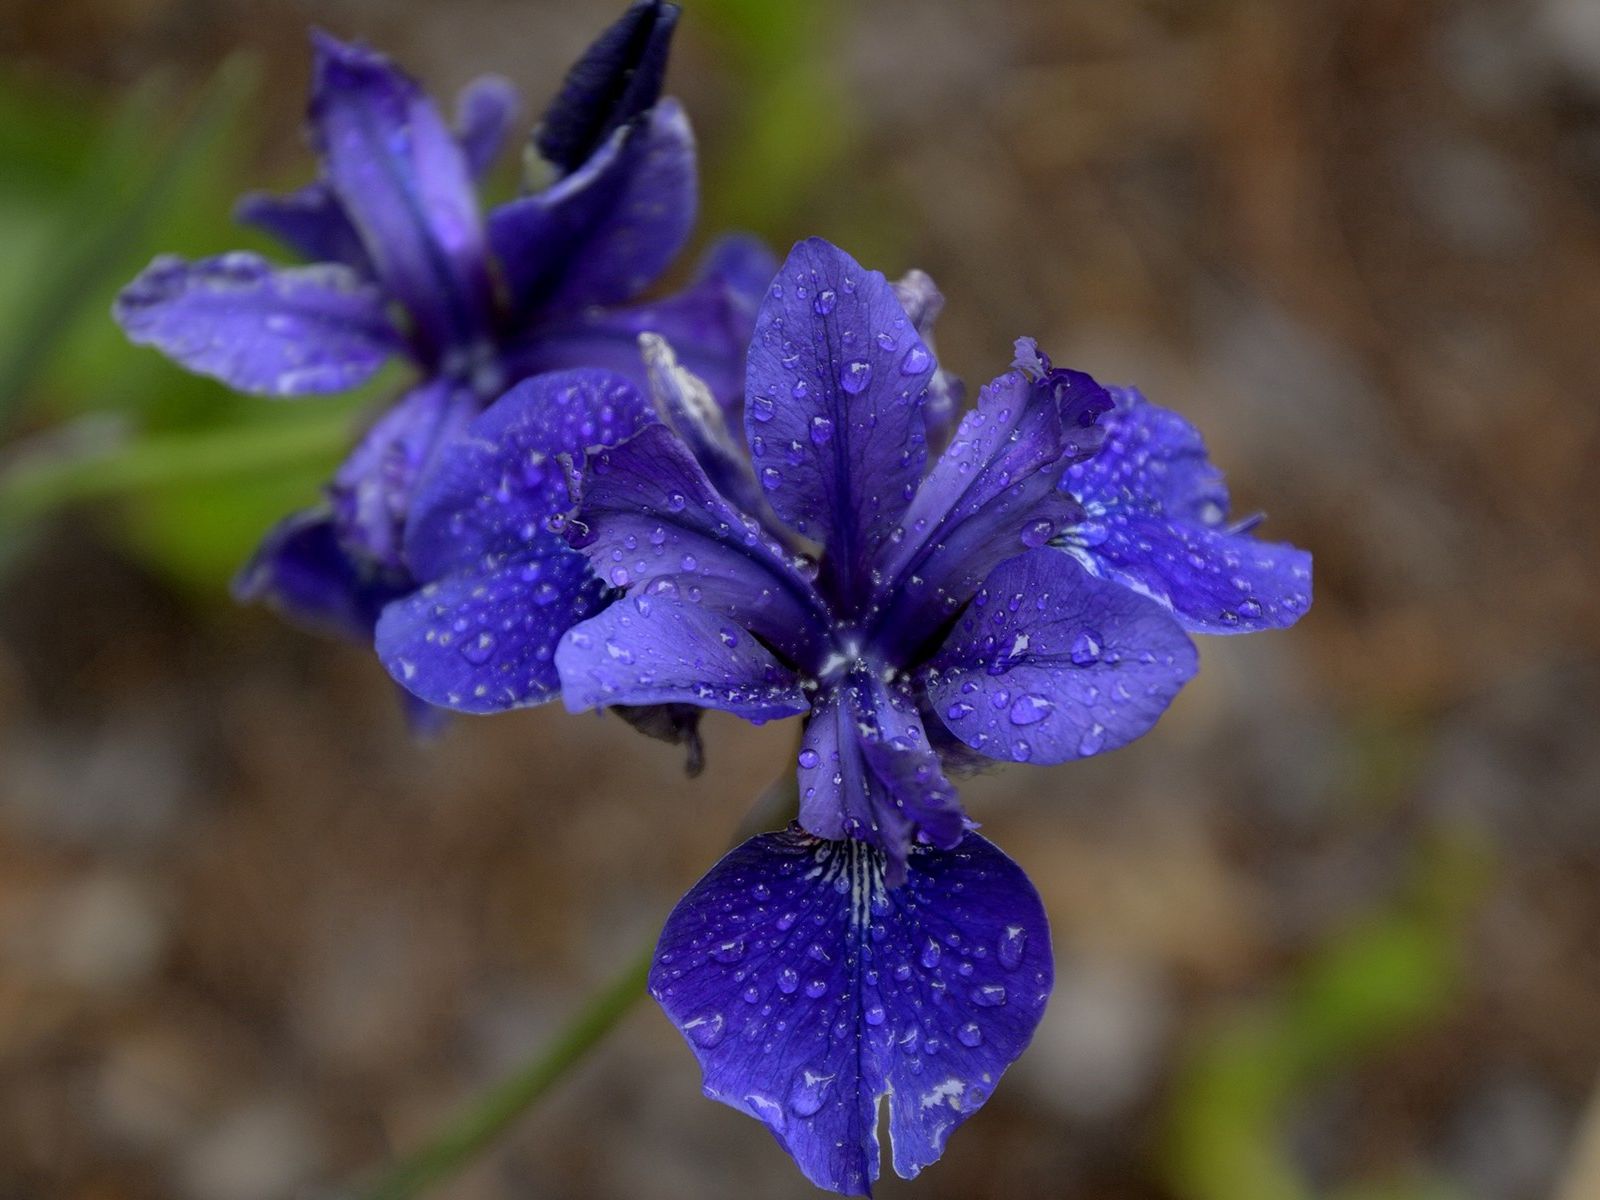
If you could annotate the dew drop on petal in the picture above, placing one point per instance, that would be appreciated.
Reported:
(855, 375)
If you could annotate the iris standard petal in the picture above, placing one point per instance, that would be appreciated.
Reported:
(404, 181)
(655, 649)
(275, 331)
(1049, 663)
(990, 496)
(618, 78)
(604, 233)
(492, 492)
(810, 992)
(483, 639)
(834, 390)
(649, 518)
(1158, 522)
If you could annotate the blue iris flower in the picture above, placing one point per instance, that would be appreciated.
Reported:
(1025, 597)
(405, 266)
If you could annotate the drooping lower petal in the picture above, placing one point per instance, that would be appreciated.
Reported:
(484, 640)
(654, 649)
(601, 235)
(493, 491)
(649, 519)
(274, 331)
(868, 772)
(617, 78)
(1049, 663)
(405, 183)
(1157, 521)
(303, 571)
(810, 992)
(834, 390)
(373, 488)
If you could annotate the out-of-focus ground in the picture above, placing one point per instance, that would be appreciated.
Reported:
(1330, 931)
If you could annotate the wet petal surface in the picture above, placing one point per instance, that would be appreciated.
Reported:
(653, 649)
(1049, 663)
(810, 991)
(649, 520)
(494, 492)
(1157, 521)
(836, 381)
(484, 640)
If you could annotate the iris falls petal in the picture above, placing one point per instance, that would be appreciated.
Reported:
(810, 992)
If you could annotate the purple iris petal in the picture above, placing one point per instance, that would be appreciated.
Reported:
(484, 111)
(618, 78)
(372, 489)
(275, 331)
(405, 183)
(1157, 522)
(834, 389)
(650, 519)
(810, 992)
(652, 648)
(1049, 663)
(708, 325)
(303, 571)
(484, 640)
(501, 588)
(602, 234)
(492, 492)
(310, 221)
(867, 771)
(991, 495)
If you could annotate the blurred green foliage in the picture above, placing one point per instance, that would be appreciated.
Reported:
(1369, 986)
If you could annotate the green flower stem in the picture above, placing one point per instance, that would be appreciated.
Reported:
(34, 485)
(481, 1124)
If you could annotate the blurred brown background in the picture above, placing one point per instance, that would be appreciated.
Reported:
(1330, 931)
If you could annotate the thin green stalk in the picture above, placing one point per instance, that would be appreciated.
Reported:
(33, 485)
(495, 1111)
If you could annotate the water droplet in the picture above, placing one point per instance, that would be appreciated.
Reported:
(810, 1087)
(855, 375)
(916, 360)
(1086, 648)
(821, 430)
(1092, 740)
(730, 951)
(762, 408)
(1037, 533)
(817, 988)
(809, 758)
(478, 650)
(771, 478)
(969, 1034)
(788, 981)
(958, 710)
(1030, 709)
(874, 1014)
(825, 301)
(930, 954)
(989, 995)
(1012, 943)
(707, 1030)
